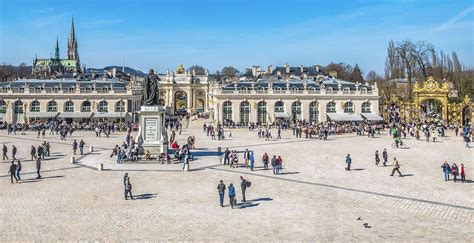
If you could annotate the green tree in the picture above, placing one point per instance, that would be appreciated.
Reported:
(356, 75)
(230, 72)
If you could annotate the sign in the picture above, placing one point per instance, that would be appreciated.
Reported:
(151, 129)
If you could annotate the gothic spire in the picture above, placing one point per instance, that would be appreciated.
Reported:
(72, 35)
(72, 44)
(56, 53)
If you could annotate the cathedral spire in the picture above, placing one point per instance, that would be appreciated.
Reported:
(72, 43)
(56, 51)
(72, 35)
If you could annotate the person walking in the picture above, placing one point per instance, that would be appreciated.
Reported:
(226, 156)
(274, 164)
(385, 157)
(46, 144)
(221, 191)
(246, 158)
(252, 161)
(243, 185)
(446, 170)
(377, 158)
(81, 146)
(265, 161)
(454, 171)
(5, 151)
(348, 162)
(12, 172)
(38, 167)
(463, 173)
(128, 190)
(14, 151)
(232, 195)
(74, 146)
(40, 151)
(33, 153)
(18, 170)
(396, 167)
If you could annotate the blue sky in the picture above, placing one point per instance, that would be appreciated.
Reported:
(217, 33)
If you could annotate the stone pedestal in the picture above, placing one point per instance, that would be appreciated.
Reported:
(151, 133)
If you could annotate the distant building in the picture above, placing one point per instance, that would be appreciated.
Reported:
(286, 72)
(52, 67)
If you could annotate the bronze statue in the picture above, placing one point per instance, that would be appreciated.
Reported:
(150, 92)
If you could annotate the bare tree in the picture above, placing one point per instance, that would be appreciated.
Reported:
(407, 55)
(198, 69)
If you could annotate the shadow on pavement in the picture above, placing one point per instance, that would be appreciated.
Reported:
(145, 196)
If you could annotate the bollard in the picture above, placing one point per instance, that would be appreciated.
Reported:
(91, 149)
(186, 167)
(73, 160)
(100, 167)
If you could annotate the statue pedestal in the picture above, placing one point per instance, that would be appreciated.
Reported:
(151, 135)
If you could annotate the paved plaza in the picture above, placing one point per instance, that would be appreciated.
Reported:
(314, 199)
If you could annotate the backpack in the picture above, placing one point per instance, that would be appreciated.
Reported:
(248, 183)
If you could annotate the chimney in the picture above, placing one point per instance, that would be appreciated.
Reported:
(301, 68)
(270, 69)
(287, 68)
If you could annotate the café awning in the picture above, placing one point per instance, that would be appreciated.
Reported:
(344, 117)
(75, 114)
(110, 114)
(281, 115)
(41, 114)
(372, 117)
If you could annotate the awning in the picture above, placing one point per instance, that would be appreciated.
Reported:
(372, 117)
(281, 115)
(41, 114)
(75, 114)
(344, 117)
(110, 114)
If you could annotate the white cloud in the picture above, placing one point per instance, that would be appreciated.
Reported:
(450, 23)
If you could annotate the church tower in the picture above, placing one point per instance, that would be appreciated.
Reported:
(72, 44)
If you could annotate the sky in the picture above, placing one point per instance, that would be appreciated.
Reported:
(216, 33)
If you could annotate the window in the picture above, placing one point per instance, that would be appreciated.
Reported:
(346, 91)
(279, 106)
(331, 107)
(86, 106)
(262, 112)
(52, 106)
(366, 107)
(313, 111)
(3, 106)
(245, 112)
(120, 106)
(103, 106)
(363, 91)
(296, 110)
(35, 106)
(348, 107)
(227, 110)
(18, 107)
(69, 106)
(329, 90)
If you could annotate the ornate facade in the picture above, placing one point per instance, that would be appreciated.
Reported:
(69, 99)
(183, 90)
(54, 66)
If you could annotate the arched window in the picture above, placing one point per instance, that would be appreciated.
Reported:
(86, 106)
(52, 106)
(244, 112)
(329, 90)
(348, 107)
(262, 112)
(69, 106)
(120, 106)
(313, 111)
(3, 106)
(366, 107)
(35, 106)
(331, 107)
(279, 106)
(296, 110)
(103, 106)
(227, 110)
(18, 107)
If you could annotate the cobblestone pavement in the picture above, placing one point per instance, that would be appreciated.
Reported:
(315, 198)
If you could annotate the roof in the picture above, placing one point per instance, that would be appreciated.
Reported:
(51, 83)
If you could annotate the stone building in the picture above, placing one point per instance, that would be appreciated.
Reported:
(267, 100)
(69, 99)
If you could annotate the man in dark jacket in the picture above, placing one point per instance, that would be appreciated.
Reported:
(128, 189)
(5, 151)
(38, 167)
(243, 185)
(221, 190)
(226, 156)
(74, 146)
(14, 150)
(385, 157)
(12, 172)
(33, 153)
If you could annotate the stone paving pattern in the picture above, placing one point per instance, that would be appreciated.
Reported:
(315, 199)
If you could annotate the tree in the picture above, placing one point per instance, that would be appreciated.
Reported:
(421, 52)
(229, 72)
(405, 52)
(198, 69)
(356, 75)
(372, 76)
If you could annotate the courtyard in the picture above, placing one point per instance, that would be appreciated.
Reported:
(314, 199)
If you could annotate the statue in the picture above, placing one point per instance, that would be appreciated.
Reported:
(150, 89)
